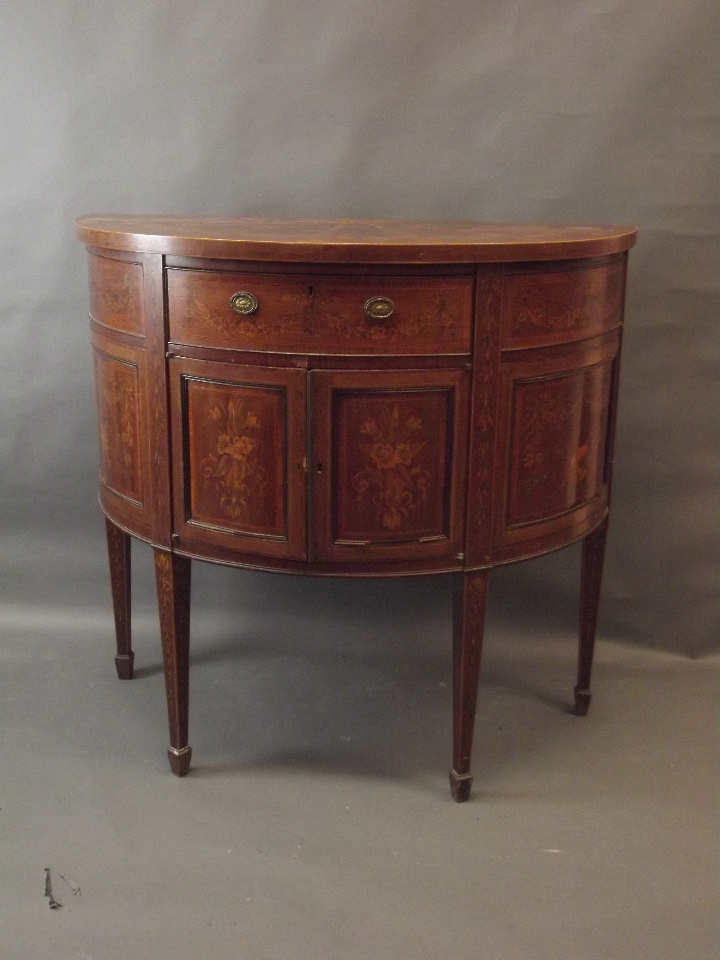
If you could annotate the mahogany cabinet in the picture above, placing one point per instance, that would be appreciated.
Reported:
(353, 398)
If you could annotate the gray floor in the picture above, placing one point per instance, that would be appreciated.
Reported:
(317, 823)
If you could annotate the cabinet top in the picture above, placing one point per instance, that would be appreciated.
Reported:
(350, 241)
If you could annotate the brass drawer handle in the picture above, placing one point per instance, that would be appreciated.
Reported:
(244, 303)
(379, 308)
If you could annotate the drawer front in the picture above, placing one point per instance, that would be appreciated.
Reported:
(428, 315)
(545, 305)
(294, 314)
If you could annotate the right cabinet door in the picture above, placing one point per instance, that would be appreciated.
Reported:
(389, 464)
(554, 446)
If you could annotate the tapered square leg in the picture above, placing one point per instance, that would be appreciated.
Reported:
(470, 604)
(593, 554)
(173, 588)
(118, 543)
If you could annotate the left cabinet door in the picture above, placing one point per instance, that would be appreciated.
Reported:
(239, 468)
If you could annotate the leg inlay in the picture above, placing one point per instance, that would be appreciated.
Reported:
(173, 589)
(470, 602)
(118, 543)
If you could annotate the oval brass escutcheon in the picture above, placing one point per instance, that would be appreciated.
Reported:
(379, 308)
(243, 302)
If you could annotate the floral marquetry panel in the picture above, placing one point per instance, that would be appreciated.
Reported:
(242, 465)
(558, 447)
(236, 456)
(118, 386)
(387, 457)
(554, 446)
(391, 461)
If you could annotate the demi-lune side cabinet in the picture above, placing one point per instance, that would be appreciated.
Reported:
(353, 398)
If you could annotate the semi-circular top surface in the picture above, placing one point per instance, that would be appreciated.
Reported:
(351, 241)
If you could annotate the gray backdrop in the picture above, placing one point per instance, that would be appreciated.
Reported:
(560, 110)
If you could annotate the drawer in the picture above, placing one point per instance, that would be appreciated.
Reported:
(546, 305)
(319, 314)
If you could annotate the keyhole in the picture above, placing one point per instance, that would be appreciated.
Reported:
(319, 468)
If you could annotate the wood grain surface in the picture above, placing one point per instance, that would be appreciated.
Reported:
(351, 241)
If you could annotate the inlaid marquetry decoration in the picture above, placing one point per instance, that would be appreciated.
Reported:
(558, 449)
(236, 456)
(487, 337)
(234, 470)
(117, 384)
(426, 315)
(560, 305)
(201, 310)
(285, 318)
(314, 314)
(164, 584)
(392, 465)
(172, 576)
(116, 288)
(391, 476)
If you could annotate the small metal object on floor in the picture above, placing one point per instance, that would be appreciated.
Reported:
(54, 905)
(75, 887)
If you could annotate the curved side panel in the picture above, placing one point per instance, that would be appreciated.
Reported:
(121, 390)
(116, 293)
(552, 480)
(566, 302)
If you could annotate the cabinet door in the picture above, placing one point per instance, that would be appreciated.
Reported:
(555, 420)
(239, 456)
(389, 463)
